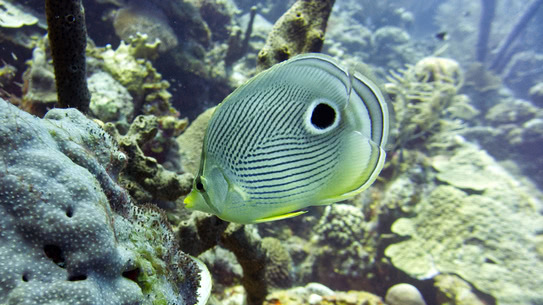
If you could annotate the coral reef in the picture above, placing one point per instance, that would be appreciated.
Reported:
(342, 254)
(110, 101)
(389, 45)
(138, 76)
(536, 94)
(190, 142)
(265, 262)
(316, 294)
(487, 238)
(482, 85)
(511, 112)
(300, 30)
(453, 290)
(200, 232)
(14, 17)
(142, 17)
(502, 54)
(244, 242)
(237, 47)
(144, 178)
(523, 72)
(18, 27)
(423, 96)
(39, 91)
(123, 85)
(70, 233)
(278, 263)
(223, 267)
(67, 34)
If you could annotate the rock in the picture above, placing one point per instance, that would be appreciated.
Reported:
(191, 141)
(404, 294)
(110, 101)
(455, 291)
(144, 18)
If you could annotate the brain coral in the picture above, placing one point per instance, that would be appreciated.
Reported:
(68, 233)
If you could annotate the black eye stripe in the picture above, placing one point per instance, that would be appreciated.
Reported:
(199, 185)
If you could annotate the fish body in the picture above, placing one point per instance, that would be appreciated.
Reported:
(304, 132)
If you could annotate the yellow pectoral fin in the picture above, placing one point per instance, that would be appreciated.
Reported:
(279, 217)
(190, 199)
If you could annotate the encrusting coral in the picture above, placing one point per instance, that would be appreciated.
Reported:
(486, 237)
(13, 17)
(70, 234)
(137, 75)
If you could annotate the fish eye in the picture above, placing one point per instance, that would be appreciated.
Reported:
(323, 116)
(199, 185)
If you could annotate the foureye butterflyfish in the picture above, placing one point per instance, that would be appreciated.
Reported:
(304, 132)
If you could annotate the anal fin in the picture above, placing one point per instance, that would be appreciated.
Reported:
(279, 217)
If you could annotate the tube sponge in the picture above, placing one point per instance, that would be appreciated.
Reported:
(68, 233)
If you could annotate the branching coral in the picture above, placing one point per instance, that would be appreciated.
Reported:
(144, 177)
(423, 96)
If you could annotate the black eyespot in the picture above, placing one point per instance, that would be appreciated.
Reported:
(323, 116)
(199, 185)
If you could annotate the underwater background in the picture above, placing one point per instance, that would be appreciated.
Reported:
(91, 201)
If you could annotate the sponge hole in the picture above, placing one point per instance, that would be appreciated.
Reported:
(69, 211)
(54, 253)
(132, 274)
(75, 278)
